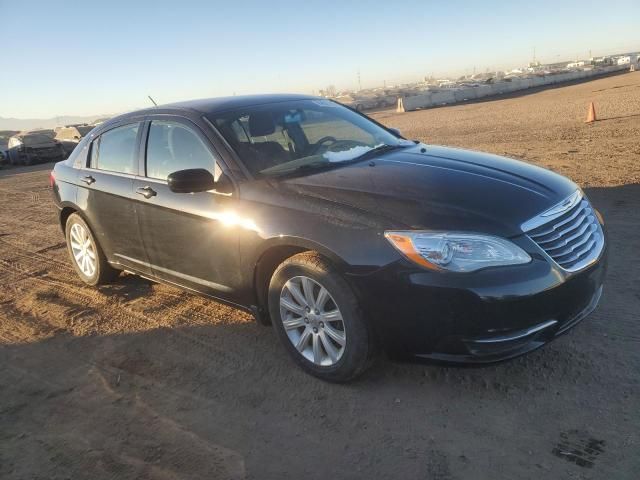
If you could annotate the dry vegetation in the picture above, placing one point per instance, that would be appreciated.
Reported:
(137, 380)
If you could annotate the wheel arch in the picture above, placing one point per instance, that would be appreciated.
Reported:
(65, 213)
(66, 210)
(272, 254)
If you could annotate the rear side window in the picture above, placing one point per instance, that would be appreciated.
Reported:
(173, 146)
(115, 150)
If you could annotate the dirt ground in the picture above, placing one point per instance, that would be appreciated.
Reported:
(138, 380)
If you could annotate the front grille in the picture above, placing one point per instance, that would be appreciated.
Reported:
(573, 239)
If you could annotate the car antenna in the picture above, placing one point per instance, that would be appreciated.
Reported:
(152, 101)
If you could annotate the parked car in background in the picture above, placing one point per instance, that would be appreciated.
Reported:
(49, 132)
(335, 229)
(3, 157)
(70, 135)
(361, 103)
(27, 148)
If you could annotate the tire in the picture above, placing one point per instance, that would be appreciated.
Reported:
(331, 361)
(101, 272)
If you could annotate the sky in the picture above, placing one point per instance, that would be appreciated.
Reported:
(104, 57)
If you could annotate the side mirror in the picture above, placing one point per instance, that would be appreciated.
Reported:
(395, 131)
(191, 181)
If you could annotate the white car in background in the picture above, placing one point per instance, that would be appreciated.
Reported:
(27, 148)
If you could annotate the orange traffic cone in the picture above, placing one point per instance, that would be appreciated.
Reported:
(591, 115)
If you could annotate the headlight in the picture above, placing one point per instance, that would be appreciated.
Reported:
(14, 142)
(456, 251)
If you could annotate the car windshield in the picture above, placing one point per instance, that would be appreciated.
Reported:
(301, 135)
(37, 139)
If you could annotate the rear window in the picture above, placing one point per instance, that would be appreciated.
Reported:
(115, 150)
(78, 156)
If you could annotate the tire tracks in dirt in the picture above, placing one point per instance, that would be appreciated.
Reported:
(84, 301)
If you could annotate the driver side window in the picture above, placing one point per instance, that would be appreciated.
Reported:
(172, 146)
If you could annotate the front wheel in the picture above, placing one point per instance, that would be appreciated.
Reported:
(318, 320)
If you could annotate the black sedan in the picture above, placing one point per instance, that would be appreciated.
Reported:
(335, 229)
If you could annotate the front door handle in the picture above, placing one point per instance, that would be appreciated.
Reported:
(88, 179)
(146, 192)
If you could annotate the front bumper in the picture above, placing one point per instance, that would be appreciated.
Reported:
(515, 343)
(35, 154)
(482, 317)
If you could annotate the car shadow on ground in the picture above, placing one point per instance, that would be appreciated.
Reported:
(128, 288)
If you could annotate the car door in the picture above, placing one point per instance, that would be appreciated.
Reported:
(105, 194)
(187, 236)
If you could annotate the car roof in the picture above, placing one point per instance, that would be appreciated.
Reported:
(214, 105)
(208, 106)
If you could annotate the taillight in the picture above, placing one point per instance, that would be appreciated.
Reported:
(52, 179)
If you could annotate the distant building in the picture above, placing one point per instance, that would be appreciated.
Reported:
(446, 83)
(579, 64)
(628, 60)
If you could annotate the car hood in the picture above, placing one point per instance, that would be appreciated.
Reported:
(432, 187)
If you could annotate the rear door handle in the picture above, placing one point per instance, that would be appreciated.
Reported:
(88, 179)
(146, 192)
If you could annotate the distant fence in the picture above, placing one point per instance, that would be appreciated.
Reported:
(456, 95)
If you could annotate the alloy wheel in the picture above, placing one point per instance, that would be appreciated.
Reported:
(83, 249)
(312, 321)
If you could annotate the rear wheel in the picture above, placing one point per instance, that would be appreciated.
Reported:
(318, 320)
(86, 255)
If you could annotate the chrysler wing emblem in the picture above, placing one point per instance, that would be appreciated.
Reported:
(555, 211)
(564, 205)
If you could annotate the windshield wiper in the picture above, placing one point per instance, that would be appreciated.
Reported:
(374, 152)
(317, 165)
